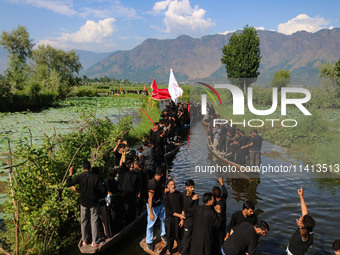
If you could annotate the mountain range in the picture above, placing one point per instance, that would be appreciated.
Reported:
(199, 59)
(194, 59)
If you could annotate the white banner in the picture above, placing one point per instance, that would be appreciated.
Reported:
(174, 90)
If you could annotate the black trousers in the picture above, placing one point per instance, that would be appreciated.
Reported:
(186, 240)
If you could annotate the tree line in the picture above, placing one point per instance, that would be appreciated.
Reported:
(36, 76)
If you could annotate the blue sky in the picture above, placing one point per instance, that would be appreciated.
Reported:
(110, 25)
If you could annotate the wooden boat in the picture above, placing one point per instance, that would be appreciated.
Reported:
(173, 152)
(160, 247)
(186, 126)
(205, 124)
(88, 249)
(238, 173)
(220, 155)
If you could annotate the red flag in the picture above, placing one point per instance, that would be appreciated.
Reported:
(159, 94)
(145, 89)
(153, 84)
(120, 87)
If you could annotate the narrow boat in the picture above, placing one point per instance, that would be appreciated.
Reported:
(159, 247)
(205, 124)
(173, 152)
(88, 249)
(181, 129)
(240, 173)
(220, 156)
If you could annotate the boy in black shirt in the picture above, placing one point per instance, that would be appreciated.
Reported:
(190, 200)
(246, 215)
(302, 238)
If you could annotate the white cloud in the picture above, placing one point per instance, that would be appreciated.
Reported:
(181, 18)
(227, 32)
(302, 22)
(64, 7)
(104, 8)
(93, 35)
(161, 6)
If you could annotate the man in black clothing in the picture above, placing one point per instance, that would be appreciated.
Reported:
(207, 219)
(148, 160)
(190, 200)
(130, 187)
(246, 215)
(221, 200)
(244, 239)
(302, 238)
(90, 188)
(117, 151)
(255, 149)
(116, 202)
(173, 203)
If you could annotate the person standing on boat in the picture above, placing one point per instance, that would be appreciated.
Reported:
(190, 200)
(117, 151)
(244, 239)
(155, 207)
(246, 215)
(254, 146)
(148, 159)
(302, 238)
(221, 196)
(90, 188)
(173, 203)
(207, 219)
(130, 186)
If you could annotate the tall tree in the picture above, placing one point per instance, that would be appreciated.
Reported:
(242, 57)
(281, 79)
(65, 64)
(19, 46)
(330, 72)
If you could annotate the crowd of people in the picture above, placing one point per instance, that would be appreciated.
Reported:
(108, 205)
(232, 142)
(139, 182)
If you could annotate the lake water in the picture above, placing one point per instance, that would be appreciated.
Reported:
(275, 197)
(63, 120)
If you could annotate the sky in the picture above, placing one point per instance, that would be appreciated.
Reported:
(111, 25)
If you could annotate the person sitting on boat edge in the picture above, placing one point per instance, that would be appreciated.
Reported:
(155, 207)
(246, 215)
(244, 239)
(302, 238)
(336, 247)
(90, 188)
(173, 203)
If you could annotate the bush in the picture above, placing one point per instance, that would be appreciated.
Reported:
(47, 209)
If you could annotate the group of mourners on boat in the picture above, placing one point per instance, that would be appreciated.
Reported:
(138, 182)
(108, 205)
(202, 229)
(232, 143)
